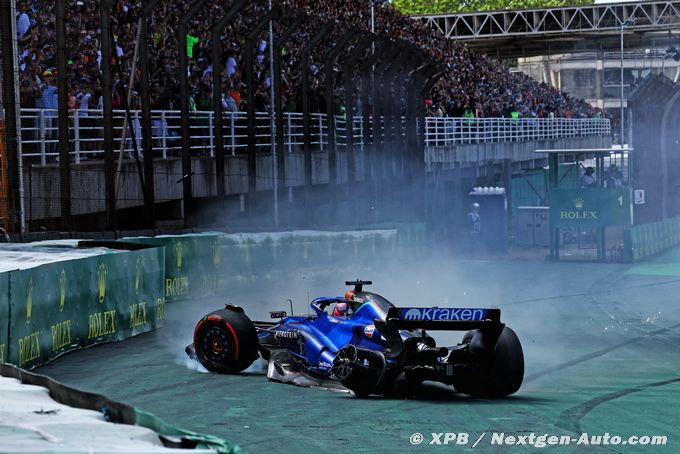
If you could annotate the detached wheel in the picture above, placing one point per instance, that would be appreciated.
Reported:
(499, 375)
(225, 341)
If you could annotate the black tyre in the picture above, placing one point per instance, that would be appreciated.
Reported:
(499, 375)
(225, 341)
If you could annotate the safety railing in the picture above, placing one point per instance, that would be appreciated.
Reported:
(39, 131)
(446, 131)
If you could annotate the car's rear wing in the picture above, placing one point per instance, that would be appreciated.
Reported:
(487, 321)
(444, 318)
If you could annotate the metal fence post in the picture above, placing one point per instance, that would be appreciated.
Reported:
(256, 30)
(107, 100)
(41, 135)
(217, 94)
(76, 135)
(184, 90)
(306, 115)
(232, 132)
(164, 135)
(147, 129)
(321, 130)
(289, 132)
(210, 133)
(277, 46)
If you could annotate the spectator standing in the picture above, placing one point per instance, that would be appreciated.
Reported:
(588, 179)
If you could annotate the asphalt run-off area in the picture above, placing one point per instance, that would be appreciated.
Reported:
(601, 345)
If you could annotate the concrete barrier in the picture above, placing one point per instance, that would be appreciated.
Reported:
(192, 262)
(646, 240)
(83, 297)
(209, 263)
(62, 295)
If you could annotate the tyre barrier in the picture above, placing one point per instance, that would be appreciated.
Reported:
(646, 240)
(60, 296)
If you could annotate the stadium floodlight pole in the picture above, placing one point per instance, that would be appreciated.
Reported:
(250, 82)
(277, 47)
(329, 65)
(107, 102)
(629, 21)
(217, 93)
(348, 72)
(184, 106)
(306, 123)
(147, 130)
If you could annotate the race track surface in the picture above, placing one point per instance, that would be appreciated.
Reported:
(601, 345)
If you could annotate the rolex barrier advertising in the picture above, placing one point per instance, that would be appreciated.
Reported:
(66, 305)
(590, 207)
(204, 264)
(191, 262)
(251, 258)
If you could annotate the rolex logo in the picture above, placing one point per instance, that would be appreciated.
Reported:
(101, 281)
(29, 299)
(578, 203)
(138, 274)
(178, 252)
(62, 290)
(217, 258)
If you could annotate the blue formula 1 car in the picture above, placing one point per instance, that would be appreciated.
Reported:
(368, 345)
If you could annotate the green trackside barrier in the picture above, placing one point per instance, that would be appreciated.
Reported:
(66, 305)
(203, 264)
(192, 263)
(250, 258)
(645, 240)
(201, 441)
(4, 317)
(410, 239)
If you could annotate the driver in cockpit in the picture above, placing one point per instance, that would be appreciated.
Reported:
(344, 309)
(341, 310)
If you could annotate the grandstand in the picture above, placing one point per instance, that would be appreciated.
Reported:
(471, 79)
(329, 66)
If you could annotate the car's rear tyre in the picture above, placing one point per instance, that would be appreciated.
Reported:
(225, 341)
(499, 375)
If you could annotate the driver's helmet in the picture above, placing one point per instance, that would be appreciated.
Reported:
(341, 310)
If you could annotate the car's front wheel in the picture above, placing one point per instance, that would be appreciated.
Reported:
(225, 341)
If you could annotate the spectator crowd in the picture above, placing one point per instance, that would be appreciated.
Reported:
(473, 84)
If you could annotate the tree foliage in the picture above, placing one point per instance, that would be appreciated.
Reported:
(415, 7)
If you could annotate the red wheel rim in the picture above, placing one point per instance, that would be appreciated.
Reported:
(217, 345)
